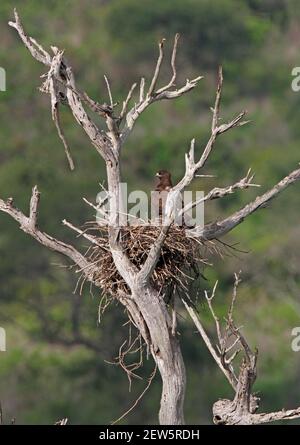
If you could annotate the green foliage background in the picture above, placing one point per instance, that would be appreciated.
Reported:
(55, 364)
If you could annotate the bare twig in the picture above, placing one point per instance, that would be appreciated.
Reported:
(139, 398)
(142, 89)
(34, 203)
(216, 109)
(109, 92)
(173, 66)
(157, 68)
(92, 239)
(62, 136)
(126, 102)
(209, 344)
(28, 225)
(35, 49)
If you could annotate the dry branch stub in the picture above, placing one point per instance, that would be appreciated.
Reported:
(181, 259)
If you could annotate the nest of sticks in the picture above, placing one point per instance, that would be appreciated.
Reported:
(180, 262)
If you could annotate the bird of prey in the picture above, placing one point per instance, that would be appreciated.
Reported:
(164, 181)
(163, 186)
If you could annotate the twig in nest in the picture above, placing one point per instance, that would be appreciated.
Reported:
(180, 259)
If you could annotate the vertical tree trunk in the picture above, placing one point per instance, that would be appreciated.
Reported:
(174, 385)
(156, 320)
(166, 352)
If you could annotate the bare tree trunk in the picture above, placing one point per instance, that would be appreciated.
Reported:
(166, 352)
(174, 386)
(154, 316)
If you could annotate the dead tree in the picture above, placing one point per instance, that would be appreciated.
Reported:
(242, 410)
(138, 293)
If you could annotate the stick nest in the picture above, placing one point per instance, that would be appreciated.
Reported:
(179, 264)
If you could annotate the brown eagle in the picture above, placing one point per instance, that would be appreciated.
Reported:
(163, 186)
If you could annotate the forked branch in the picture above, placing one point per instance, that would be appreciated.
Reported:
(230, 342)
(60, 75)
(154, 95)
(29, 225)
(219, 228)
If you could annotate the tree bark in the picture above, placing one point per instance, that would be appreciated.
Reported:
(153, 320)
(166, 351)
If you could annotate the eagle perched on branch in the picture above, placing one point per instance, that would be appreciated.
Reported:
(163, 186)
(164, 181)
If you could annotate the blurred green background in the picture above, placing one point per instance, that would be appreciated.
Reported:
(55, 365)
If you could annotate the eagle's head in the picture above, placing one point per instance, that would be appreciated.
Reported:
(163, 174)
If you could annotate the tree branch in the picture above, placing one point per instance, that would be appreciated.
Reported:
(209, 344)
(220, 228)
(36, 50)
(29, 226)
(34, 203)
(216, 109)
(157, 95)
(218, 192)
(61, 72)
(126, 102)
(290, 414)
(192, 167)
(157, 68)
(92, 239)
(153, 255)
(242, 410)
(173, 66)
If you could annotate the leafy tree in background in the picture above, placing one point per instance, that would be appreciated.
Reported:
(259, 81)
(211, 29)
